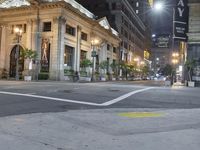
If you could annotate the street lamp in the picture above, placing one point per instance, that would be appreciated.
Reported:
(94, 43)
(158, 6)
(18, 33)
(136, 59)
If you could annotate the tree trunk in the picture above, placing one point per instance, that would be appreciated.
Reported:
(189, 74)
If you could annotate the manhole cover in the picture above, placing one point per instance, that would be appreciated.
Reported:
(114, 90)
(67, 91)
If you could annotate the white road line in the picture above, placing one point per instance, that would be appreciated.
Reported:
(80, 102)
(124, 96)
(51, 98)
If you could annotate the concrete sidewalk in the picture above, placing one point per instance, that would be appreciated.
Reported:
(102, 129)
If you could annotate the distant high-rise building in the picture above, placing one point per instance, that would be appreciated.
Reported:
(160, 52)
(124, 16)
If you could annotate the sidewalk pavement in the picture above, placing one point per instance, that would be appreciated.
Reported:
(102, 129)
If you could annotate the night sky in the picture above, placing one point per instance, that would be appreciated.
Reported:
(162, 20)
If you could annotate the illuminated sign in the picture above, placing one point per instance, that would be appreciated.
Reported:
(150, 3)
(146, 54)
(181, 20)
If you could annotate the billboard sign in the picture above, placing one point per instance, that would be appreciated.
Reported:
(180, 21)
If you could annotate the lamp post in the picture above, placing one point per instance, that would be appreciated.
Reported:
(94, 43)
(18, 33)
(175, 60)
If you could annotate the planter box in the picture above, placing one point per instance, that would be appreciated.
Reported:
(113, 79)
(27, 78)
(167, 83)
(103, 79)
(130, 78)
(191, 84)
(85, 79)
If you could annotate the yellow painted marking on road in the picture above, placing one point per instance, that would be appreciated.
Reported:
(140, 114)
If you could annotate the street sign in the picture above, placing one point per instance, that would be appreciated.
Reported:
(180, 21)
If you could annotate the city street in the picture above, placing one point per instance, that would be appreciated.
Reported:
(107, 115)
(99, 75)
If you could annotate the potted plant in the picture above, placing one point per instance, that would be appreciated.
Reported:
(103, 66)
(168, 71)
(190, 64)
(114, 67)
(28, 55)
(83, 73)
(3, 74)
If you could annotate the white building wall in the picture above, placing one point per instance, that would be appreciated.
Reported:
(57, 37)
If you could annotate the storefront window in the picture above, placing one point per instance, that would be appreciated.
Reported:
(68, 55)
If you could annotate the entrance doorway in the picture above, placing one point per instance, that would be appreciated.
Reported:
(12, 71)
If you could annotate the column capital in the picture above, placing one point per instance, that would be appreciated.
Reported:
(79, 27)
(60, 19)
(29, 21)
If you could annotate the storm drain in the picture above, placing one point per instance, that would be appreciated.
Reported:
(66, 91)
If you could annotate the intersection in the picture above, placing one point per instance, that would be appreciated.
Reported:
(107, 115)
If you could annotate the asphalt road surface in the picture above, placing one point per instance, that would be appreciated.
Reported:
(88, 116)
(32, 97)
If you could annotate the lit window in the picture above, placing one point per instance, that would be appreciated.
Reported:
(68, 55)
(137, 4)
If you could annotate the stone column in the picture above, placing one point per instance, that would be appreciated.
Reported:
(57, 49)
(2, 46)
(78, 49)
(103, 52)
(34, 38)
(29, 31)
(34, 41)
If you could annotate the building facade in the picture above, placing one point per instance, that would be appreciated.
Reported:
(161, 52)
(124, 17)
(62, 33)
(193, 50)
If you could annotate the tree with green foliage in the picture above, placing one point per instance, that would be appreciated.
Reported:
(85, 63)
(28, 54)
(190, 64)
(103, 65)
(145, 70)
(167, 70)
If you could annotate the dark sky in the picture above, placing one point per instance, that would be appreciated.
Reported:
(162, 20)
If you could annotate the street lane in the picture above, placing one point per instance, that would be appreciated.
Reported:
(144, 117)
(58, 97)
